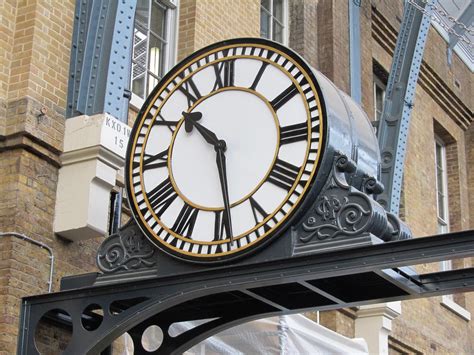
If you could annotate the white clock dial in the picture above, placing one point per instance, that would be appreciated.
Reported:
(250, 130)
(224, 150)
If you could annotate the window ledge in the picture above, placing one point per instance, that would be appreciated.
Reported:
(136, 102)
(456, 308)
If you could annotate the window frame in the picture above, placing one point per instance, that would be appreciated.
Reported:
(443, 221)
(284, 23)
(377, 82)
(447, 301)
(171, 47)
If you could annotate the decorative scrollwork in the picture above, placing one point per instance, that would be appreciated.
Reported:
(343, 163)
(370, 185)
(128, 249)
(328, 207)
(344, 212)
(345, 218)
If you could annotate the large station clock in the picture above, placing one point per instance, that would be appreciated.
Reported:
(225, 150)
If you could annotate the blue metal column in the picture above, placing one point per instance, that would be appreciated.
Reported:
(101, 58)
(398, 104)
(354, 49)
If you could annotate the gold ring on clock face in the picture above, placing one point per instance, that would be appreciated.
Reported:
(224, 150)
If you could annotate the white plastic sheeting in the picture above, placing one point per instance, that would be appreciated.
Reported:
(285, 335)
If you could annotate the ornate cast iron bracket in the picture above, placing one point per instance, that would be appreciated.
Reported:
(126, 250)
(343, 215)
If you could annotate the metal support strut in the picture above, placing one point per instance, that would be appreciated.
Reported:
(398, 104)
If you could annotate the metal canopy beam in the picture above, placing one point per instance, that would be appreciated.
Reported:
(237, 294)
(398, 103)
(466, 18)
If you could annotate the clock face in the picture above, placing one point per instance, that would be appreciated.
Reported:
(224, 150)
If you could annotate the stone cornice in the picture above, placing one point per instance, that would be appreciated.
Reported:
(95, 152)
(25, 140)
(386, 36)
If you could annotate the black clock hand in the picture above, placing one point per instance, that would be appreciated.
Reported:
(220, 160)
(190, 121)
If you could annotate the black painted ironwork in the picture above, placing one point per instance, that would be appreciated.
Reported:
(237, 294)
(127, 250)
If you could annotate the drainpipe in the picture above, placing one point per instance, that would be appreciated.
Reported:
(40, 244)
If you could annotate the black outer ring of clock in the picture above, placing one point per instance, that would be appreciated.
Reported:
(294, 214)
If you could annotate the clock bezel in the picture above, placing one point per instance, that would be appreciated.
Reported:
(302, 201)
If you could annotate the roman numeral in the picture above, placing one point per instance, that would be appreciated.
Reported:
(161, 197)
(259, 214)
(284, 97)
(159, 160)
(138, 182)
(219, 225)
(225, 72)
(293, 133)
(160, 121)
(220, 222)
(283, 174)
(186, 221)
(190, 90)
(259, 75)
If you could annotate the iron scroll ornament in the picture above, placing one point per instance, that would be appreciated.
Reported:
(126, 250)
(342, 212)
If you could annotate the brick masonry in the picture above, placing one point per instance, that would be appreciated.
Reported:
(35, 37)
(203, 22)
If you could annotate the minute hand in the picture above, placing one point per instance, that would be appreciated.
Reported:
(220, 160)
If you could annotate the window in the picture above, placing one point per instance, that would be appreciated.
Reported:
(448, 301)
(441, 186)
(442, 196)
(379, 97)
(380, 79)
(274, 20)
(153, 44)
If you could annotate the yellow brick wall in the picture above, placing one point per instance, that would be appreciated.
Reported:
(28, 190)
(187, 24)
(7, 30)
(203, 22)
(40, 53)
(35, 37)
(470, 171)
(40, 33)
(35, 40)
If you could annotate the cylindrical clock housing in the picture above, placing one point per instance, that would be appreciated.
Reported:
(234, 146)
(349, 132)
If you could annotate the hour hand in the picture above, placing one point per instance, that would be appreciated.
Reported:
(220, 160)
(190, 121)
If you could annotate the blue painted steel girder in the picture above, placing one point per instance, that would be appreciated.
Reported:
(101, 58)
(398, 104)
